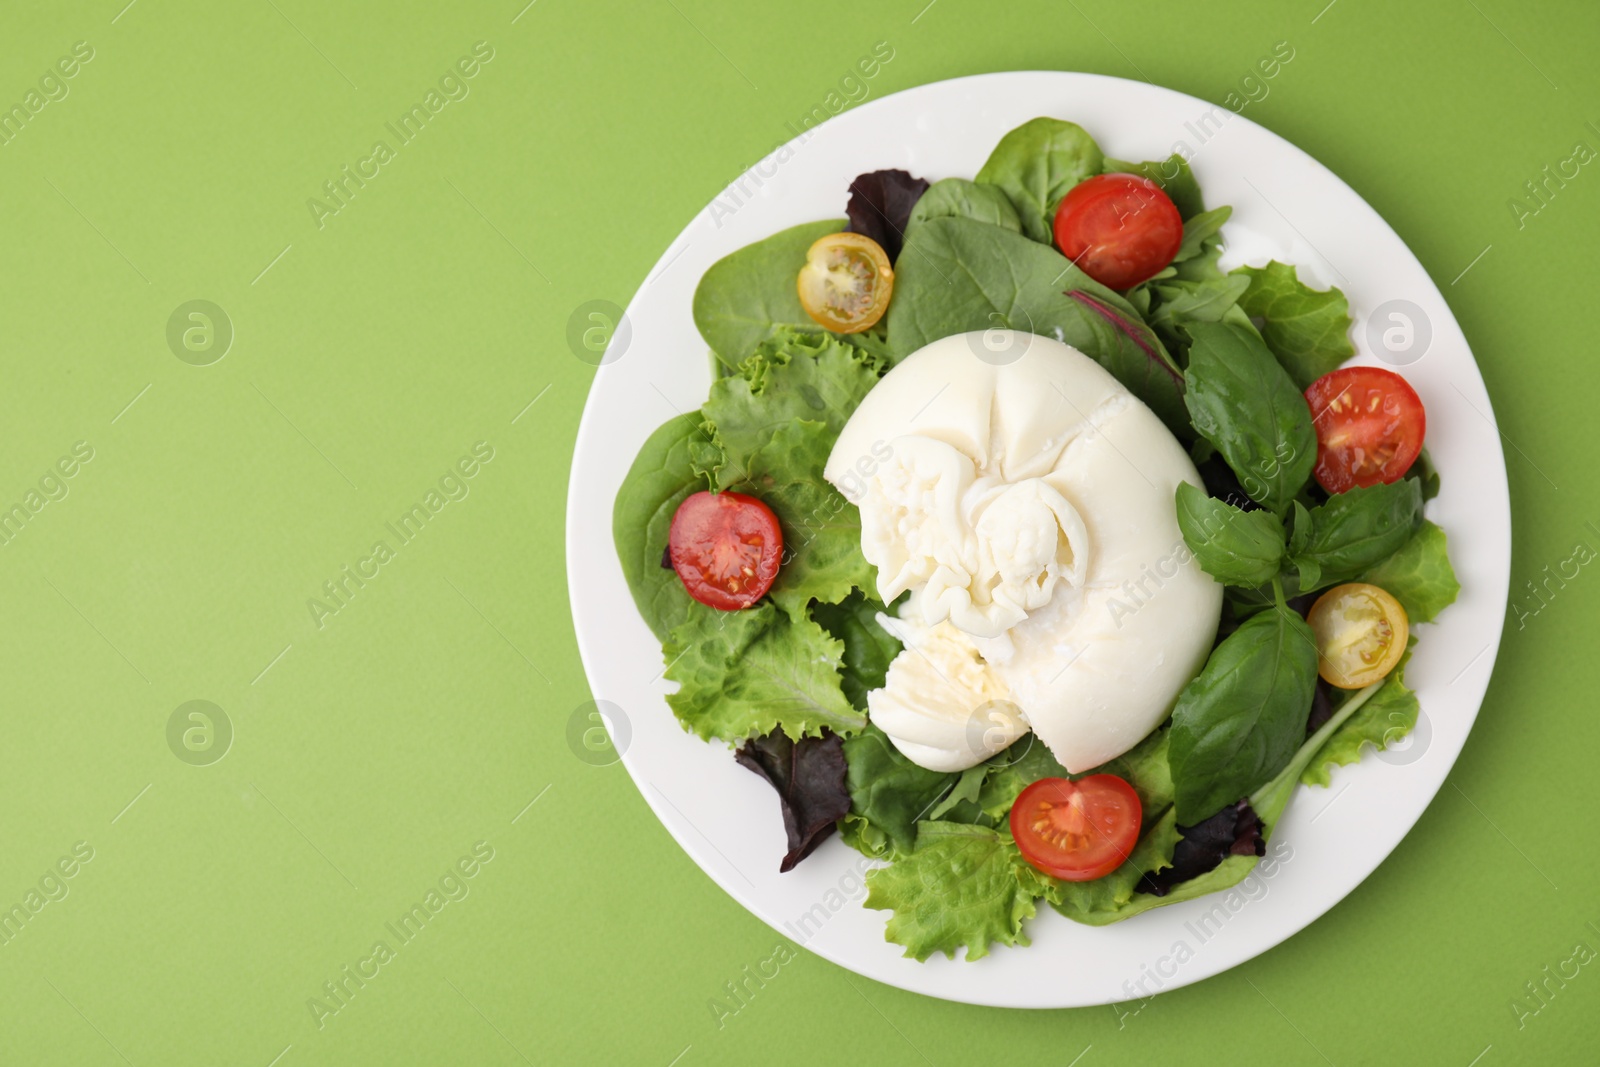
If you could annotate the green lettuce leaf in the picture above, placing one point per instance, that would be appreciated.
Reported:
(962, 887)
(1306, 328)
(822, 557)
(747, 673)
(790, 377)
(1419, 575)
(1384, 719)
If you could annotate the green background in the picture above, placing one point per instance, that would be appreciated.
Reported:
(372, 353)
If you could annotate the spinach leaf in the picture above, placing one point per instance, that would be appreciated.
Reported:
(957, 275)
(1036, 164)
(662, 475)
(1419, 575)
(1305, 328)
(750, 295)
(1008, 773)
(1174, 177)
(963, 199)
(1233, 546)
(1240, 721)
(1243, 402)
(888, 795)
(1353, 531)
(868, 647)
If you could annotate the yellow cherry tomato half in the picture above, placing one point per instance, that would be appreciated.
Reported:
(1361, 634)
(846, 282)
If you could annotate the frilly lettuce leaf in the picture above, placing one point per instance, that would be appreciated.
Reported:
(964, 886)
(747, 673)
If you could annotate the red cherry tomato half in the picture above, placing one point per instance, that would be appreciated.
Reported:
(1120, 229)
(1077, 831)
(1370, 424)
(726, 548)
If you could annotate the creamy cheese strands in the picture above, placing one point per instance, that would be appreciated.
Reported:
(1028, 507)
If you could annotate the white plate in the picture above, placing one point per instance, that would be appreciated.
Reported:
(1286, 206)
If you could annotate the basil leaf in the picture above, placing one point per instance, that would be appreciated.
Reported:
(1355, 530)
(1243, 402)
(1172, 174)
(957, 275)
(963, 199)
(1233, 546)
(1306, 328)
(1241, 720)
(1036, 164)
(750, 296)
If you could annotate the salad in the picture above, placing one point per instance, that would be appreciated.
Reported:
(1027, 548)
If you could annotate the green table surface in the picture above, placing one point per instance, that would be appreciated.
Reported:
(414, 725)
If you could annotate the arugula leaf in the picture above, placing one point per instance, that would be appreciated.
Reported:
(1174, 177)
(662, 475)
(963, 797)
(868, 647)
(1306, 328)
(1183, 302)
(1419, 574)
(963, 199)
(1388, 716)
(888, 795)
(961, 887)
(1241, 719)
(1233, 546)
(1036, 164)
(1199, 229)
(1243, 402)
(749, 296)
(747, 673)
(1353, 531)
(957, 275)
